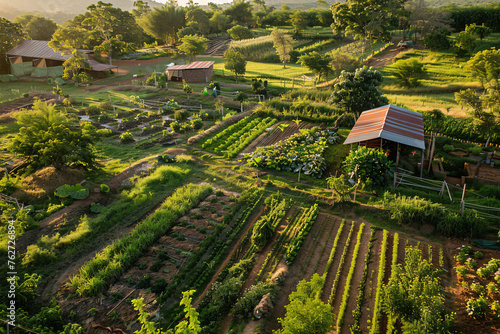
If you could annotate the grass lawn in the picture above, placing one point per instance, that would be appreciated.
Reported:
(445, 75)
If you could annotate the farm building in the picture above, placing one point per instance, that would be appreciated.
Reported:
(38, 59)
(382, 126)
(198, 71)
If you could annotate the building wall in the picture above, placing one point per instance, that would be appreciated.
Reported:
(198, 75)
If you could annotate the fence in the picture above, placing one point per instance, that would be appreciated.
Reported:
(405, 179)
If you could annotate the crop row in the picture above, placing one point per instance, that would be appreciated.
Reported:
(211, 143)
(356, 313)
(391, 321)
(130, 206)
(243, 139)
(318, 46)
(334, 247)
(380, 278)
(304, 226)
(306, 264)
(264, 228)
(347, 286)
(95, 275)
(228, 141)
(341, 264)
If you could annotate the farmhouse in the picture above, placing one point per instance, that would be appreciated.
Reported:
(38, 59)
(198, 71)
(380, 126)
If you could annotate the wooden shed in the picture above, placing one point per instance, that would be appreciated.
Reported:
(38, 59)
(198, 71)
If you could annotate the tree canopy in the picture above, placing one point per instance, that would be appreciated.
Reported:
(306, 313)
(235, 62)
(193, 45)
(11, 34)
(317, 62)
(240, 12)
(164, 22)
(283, 45)
(37, 27)
(356, 91)
(46, 138)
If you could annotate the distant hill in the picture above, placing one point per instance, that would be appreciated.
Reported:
(58, 10)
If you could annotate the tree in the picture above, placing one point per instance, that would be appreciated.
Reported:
(75, 68)
(219, 22)
(140, 8)
(68, 38)
(409, 72)
(344, 62)
(417, 16)
(193, 45)
(235, 62)
(239, 32)
(306, 313)
(240, 12)
(437, 41)
(485, 66)
(11, 34)
(317, 63)
(200, 17)
(46, 138)
(464, 44)
(186, 88)
(164, 22)
(356, 91)
(298, 21)
(480, 30)
(283, 45)
(37, 27)
(114, 47)
(367, 165)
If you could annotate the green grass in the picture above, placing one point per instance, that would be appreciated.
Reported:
(445, 75)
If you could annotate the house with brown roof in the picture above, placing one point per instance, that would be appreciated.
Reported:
(38, 59)
(198, 71)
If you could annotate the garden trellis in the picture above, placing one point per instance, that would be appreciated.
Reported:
(405, 179)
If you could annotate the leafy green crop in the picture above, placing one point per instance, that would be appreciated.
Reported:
(76, 192)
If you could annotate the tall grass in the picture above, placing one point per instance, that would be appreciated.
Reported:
(96, 274)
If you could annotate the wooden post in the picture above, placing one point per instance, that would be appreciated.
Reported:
(432, 153)
(422, 164)
(397, 164)
(355, 189)
(298, 180)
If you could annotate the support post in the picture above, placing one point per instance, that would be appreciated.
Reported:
(397, 164)
(433, 145)
(422, 164)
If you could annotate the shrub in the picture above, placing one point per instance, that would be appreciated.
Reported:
(476, 307)
(437, 41)
(368, 163)
(491, 287)
(448, 148)
(176, 127)
(92, 110)
(104, 132)
(239, 32)
(197, 123)
(37, 255)
(144, 282)
(126, 137)
(156, 266)
(478, 288)
(104, 188)
(408, 72)
(184, 158)
(462, 271)
(478, 255)
(181, 114)
(159, 286)
(252, 296)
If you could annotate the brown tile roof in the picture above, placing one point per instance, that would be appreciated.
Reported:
(193, 66)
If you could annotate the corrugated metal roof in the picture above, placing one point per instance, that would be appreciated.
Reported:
(391, 123)
(42, 50)
(36, 49)
(96, 66)
(193, 66)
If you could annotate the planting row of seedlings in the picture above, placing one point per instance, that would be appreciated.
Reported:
(347, 286)
(391, 321)
(96, 275)
(304, 225)
(333, 291)
(377, 311)
(356, 313)
(130, 206)
(305, 265)
(235, 138)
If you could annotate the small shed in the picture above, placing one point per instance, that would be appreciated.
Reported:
(389, 123)
(198, 71)
(38, 59)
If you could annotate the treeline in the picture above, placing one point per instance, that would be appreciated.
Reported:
(463, 16)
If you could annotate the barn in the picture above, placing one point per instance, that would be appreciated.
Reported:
(38, 59)
(198, 71)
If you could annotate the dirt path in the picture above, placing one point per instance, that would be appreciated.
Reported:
(385, 58)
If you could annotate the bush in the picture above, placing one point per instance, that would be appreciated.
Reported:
(104, 132)
(239, 32)
(437, 41)
(159, 286)
(92, 110)
(478, 255)
(408, 72)
(37, 255)
(181, 114)
(104, 188)
(462, 271)
(176, 127)
(368, 163)
(126, 137)
(184, 158)
(448, 148)
(197, 123)
(476, 307)
(251, 297)
(478, 288)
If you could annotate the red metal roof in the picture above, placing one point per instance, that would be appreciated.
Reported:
(193, 66)
(391, 123)
(42, 50)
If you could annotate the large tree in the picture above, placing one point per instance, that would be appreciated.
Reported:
(219, 22)
(76, 68)
(306, 313)
(235, 62)
(193, 45)
(357, 91)
(11, 34)
(485, 66)
(37, 27)
(47, 138)
(200, 17)
(240, 12)
(283, 45)
(164, 22)
(318, 63)
(366, 20)
(68, 38)
(298, 21)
